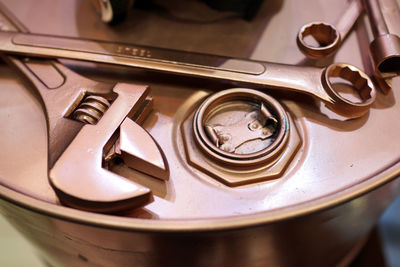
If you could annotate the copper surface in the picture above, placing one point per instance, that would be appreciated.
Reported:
(328, 36)
(254, 157)
(329, 197)
(385, 47)
(76, 150)
(317, 131)
(235, 169)
(78, 176)
(308, 80)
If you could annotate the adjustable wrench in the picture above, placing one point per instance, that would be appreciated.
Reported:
(89, 124)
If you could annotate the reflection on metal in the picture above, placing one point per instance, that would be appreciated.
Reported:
(385, 48)
(112, 11)
(307, 80)
(91, 109)
(231, 135)
(139, 151)
(104, 8)
(85, 118)
(241, 136)
(194, 216)
(361, 84)
(78, 176)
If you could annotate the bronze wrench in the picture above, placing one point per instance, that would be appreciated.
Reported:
(328, 36)
(308, 80)
(88, 125)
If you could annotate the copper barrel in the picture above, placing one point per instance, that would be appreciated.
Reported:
(316, 210)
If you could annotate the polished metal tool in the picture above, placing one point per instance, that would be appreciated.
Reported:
(385, 48)
(328, 36)
(317, 212)
(90, 124)
(309, 80)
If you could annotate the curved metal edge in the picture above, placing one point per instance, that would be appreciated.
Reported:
(200, 225)
(340, 104)
(315, 52)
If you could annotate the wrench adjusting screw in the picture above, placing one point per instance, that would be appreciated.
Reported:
(91, 109)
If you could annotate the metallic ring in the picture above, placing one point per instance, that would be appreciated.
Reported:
(360, 82)
(253, 97)
(325, 34)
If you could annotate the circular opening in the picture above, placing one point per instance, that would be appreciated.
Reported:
(390, 65)
(351, 91)
(233, 120)
(358, 88)
(345, 89)
(240, 126)
(318, 39)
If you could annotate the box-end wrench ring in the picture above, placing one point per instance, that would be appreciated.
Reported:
(328, 36)
(309, 80)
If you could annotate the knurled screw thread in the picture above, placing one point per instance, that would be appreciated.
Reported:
(91, 109)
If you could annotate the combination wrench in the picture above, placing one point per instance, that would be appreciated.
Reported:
(308, 80)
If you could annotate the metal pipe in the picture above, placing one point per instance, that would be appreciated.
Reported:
(385, 48)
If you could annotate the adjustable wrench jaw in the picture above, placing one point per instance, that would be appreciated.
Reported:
(78, 176)
(77, 150)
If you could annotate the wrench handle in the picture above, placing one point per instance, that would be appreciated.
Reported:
(348, 19)
(145, 57)
(242, 71)
(308, 80)
(377, 22)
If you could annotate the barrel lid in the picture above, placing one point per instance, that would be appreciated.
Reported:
(335, 158)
